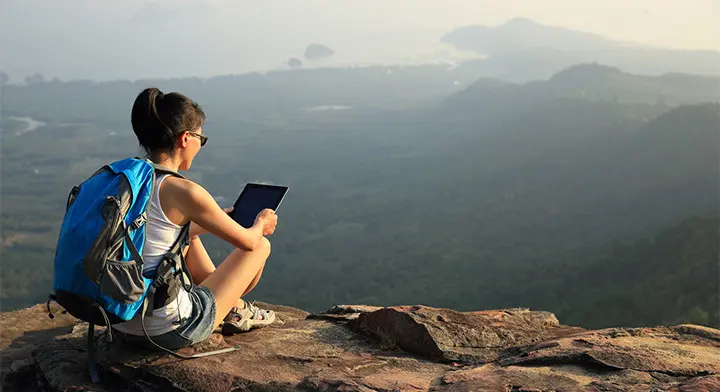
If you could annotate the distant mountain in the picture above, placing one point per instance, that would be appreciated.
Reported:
(317, 51)
(234, 96)
(522, 50)
(591, 82)
(521, 34)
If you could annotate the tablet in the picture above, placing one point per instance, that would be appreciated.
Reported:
(255, 198)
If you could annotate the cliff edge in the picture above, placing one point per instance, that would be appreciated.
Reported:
(364, 348)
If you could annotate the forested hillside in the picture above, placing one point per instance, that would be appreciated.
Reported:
(498, 195)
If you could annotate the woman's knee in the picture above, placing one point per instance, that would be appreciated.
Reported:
(265, 246)
(262, 249)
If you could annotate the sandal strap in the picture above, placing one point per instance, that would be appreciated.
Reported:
(264, 314)
(234, 311)
(258, 314)
(250, 310)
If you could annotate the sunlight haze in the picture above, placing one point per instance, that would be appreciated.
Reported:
(139, 38)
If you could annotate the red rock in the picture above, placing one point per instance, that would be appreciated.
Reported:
(532, 352)
(470, 337)
(686, 351)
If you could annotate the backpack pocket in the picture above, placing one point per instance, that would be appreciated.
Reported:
(107, 241)
(122, 281)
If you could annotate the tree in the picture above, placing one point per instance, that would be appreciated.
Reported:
(34, 79)
(697, 316)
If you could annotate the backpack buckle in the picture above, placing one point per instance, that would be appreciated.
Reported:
(139, 221)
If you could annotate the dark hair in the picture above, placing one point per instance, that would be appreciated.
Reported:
(158, 118)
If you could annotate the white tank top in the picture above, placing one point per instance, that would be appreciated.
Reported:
(160, 235)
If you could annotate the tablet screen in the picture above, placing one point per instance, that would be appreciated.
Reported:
(255, 198)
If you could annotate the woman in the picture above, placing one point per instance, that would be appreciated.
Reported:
(169, 128)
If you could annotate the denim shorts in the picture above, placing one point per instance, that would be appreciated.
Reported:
(196, 328)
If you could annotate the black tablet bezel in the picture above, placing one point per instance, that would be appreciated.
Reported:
(251, 185)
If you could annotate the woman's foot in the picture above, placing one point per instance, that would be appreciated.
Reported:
(246, 318)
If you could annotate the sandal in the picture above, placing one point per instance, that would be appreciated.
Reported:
(244, 319)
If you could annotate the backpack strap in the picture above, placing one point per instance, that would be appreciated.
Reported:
(92, 354)
(92, 345)
(163, 169)
(130, 244)
(173, 262)
(172, 273)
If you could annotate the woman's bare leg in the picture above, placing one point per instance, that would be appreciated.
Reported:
(253, 283)
(201, 266)
(198, 261)
(234, 277)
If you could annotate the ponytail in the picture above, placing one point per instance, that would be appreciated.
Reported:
(158, 119)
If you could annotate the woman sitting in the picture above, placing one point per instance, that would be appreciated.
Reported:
(169, 128)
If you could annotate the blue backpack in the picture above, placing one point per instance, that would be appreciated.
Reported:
(99, 275)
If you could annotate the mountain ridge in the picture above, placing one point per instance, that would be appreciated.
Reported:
(514, 34)
(523, 50)
(595, 82)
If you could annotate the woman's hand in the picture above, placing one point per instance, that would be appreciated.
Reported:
(196, 230)
(267, 221)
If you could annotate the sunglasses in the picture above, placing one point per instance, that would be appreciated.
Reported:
(203, 138)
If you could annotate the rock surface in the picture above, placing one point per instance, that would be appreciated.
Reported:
(681, 358)
(472, 337)
(23, 330)
(364, 348)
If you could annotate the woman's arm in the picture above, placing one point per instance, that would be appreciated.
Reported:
(197, 205)
(196, 230)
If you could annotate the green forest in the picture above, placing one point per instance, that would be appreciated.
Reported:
(593, 194)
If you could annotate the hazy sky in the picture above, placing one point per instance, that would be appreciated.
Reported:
(142, 38)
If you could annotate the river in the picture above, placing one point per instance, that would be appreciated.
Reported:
(32, 124)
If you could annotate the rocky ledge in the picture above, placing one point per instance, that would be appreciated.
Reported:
(365, 348)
